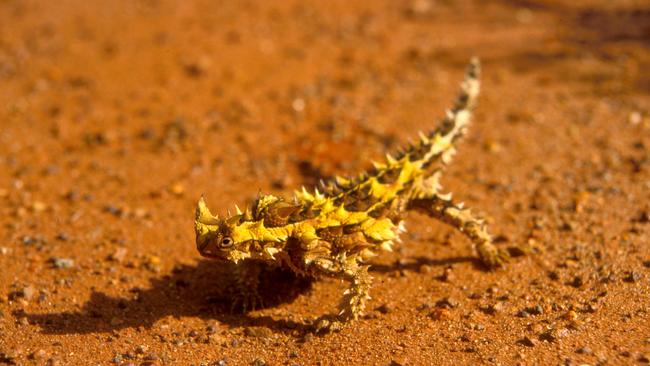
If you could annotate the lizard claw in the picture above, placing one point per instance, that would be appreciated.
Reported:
(245, 302)
(327, 324)
(493, 257)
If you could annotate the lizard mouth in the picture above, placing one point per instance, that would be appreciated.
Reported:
(207, 250)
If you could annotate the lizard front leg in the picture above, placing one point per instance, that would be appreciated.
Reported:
(444, 209)
(244, 292)
(354, 298)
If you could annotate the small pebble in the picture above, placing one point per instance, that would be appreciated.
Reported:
(62, 262)
(177, 189)
(591, 308)
(28, 292)
(643, 217)
(259, 362)
(536, 310)
(307, 338)
(571, 315)
(152, 356)
(153, 263)
(117, 359)
(584, 351)
(384, 309)
(635, 118)
(447, 275)
(258, 332)
(553, 275)
(527, 341)
(62, 237)
(447, 303)
(113, 210)
(523, 314)
(643, 358)
(516, 251)
(440, 314)
(39, 206)
(38, 355)
(553, 335)
(493, 309)
(577, 282)
(212, 329)
(118, 255)
(29, 240)
(632, 277)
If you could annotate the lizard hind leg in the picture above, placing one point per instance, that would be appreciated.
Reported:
(444, 209)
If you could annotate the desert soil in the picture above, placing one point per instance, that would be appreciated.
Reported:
(115, 116)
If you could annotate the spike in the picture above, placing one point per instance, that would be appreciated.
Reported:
(238, 210)
(391, 160)
(450, 114)
(423, 137)
(203, 214)
(229, 214)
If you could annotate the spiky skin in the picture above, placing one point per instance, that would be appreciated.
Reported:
(335, 231)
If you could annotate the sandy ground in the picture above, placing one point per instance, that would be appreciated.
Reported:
(115, 116)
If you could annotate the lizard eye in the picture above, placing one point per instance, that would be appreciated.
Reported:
(226, 243)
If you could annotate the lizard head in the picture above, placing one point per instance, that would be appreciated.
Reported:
(214, 236)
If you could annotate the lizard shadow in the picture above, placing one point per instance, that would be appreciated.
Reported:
(415, 264)
(199, 290)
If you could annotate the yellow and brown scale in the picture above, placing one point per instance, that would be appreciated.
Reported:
(334, 231)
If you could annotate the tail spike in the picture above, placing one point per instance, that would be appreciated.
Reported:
(423, 138)
(391, 160)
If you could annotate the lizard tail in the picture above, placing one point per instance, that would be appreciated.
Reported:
(458, 118)
(438, 145)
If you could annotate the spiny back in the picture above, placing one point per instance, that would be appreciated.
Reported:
(383, 183)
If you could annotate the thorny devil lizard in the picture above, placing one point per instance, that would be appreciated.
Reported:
(335, 231)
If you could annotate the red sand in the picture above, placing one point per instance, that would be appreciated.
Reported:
(116, 116)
